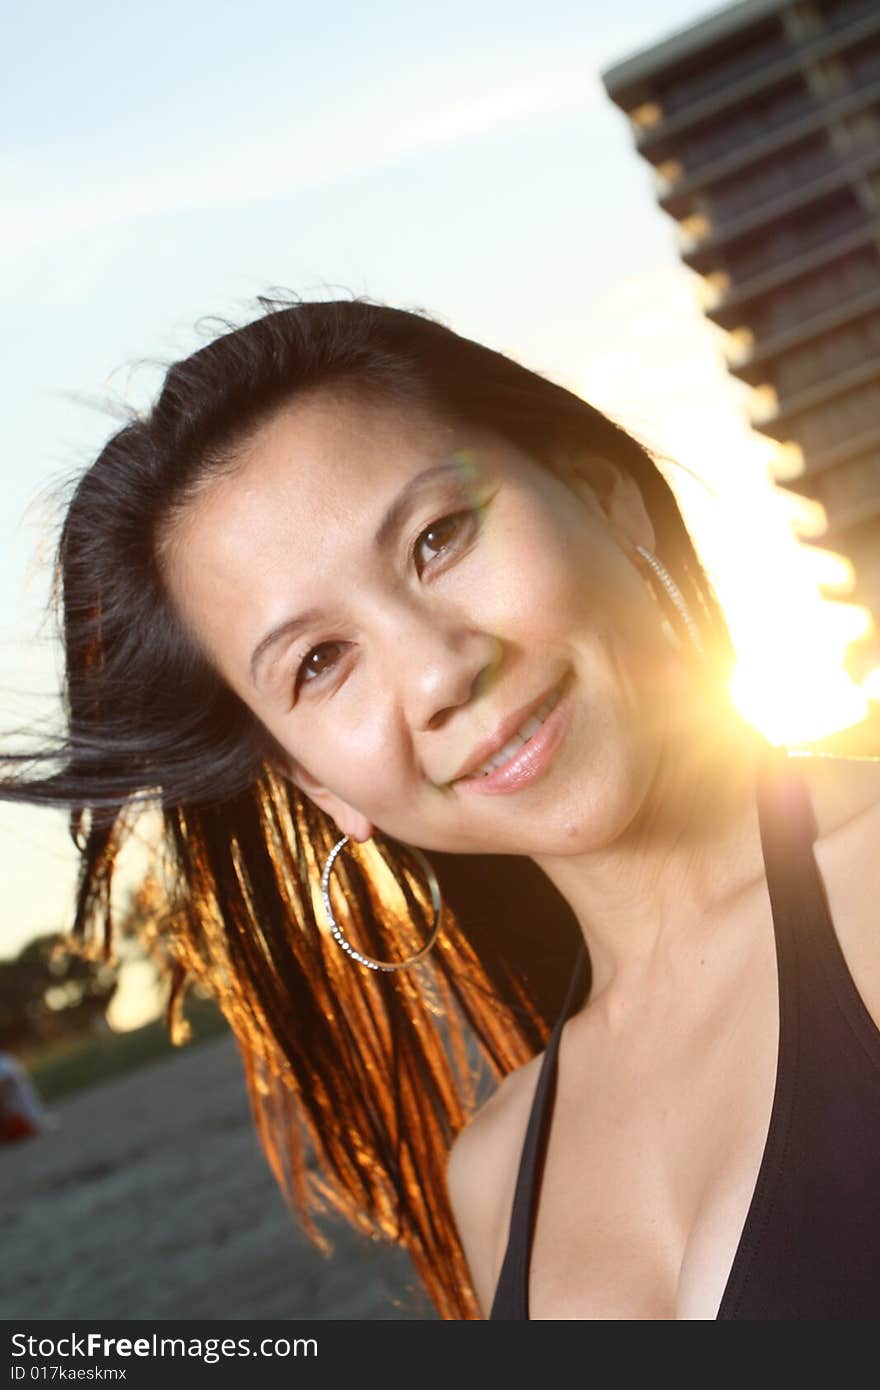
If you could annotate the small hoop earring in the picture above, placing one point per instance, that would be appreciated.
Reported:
(436, 900)
(678, 599)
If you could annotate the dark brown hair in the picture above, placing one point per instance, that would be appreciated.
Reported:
(359, 1080)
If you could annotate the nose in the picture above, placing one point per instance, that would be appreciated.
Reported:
(443, 667)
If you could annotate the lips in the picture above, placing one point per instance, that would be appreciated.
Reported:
(504, 732)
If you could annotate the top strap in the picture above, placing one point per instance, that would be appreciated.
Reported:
(513, 1280)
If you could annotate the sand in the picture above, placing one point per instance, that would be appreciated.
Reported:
(152, 1199)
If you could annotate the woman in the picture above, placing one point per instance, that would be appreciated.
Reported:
(362, 603)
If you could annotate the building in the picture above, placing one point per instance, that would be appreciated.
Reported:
(762, 123)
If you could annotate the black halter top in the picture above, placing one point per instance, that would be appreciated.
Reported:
(810, 1244)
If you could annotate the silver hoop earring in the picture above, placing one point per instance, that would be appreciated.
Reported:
(335, 928)
(677, 597)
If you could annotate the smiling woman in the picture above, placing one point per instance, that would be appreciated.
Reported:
(374, 614)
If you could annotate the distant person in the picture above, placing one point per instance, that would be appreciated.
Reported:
(362, 601)
(21, 1111)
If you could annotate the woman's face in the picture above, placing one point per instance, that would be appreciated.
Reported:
(440, 582)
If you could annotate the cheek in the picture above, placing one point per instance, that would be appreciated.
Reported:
(545, 576)
(363, 764)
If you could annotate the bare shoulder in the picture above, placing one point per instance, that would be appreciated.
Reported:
(481, 1173)
(845, 791)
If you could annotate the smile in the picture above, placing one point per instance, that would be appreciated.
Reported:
(529, 752)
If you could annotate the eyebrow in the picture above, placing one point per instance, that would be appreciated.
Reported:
(387, 528)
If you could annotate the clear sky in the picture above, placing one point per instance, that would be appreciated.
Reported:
(169, 162)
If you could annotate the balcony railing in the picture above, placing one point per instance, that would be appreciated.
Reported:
(725, 97)
(850, 487)
(845, 417)
(864, 68)
(839, 13)
(802, 320)
(828, 357)
(681, 94)
(731, 305)
(851, 445)
(759, 140)
(708, 145)
(787, 172)
(834, 184)
(788, 241)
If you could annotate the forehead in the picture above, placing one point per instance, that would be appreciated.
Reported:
(320, 458)
(324, 449)
(316, 468)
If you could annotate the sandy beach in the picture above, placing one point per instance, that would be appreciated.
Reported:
(152, 1199)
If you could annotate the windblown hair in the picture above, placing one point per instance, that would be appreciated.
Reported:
(358, 1080)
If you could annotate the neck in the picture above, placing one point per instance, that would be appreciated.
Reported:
(687, 850)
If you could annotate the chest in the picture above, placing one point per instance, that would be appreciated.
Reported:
(654, 1153)
(650, 1167)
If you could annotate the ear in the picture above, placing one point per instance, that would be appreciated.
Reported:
(350, 821)
(609, 491)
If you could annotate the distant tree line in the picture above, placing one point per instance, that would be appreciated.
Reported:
(48, 995)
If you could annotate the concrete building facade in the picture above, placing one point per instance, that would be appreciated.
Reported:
(762, 124)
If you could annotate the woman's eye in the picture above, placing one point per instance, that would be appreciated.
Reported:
(440, 534)
(307, 672)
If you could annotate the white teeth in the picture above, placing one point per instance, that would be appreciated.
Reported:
(522, 735)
